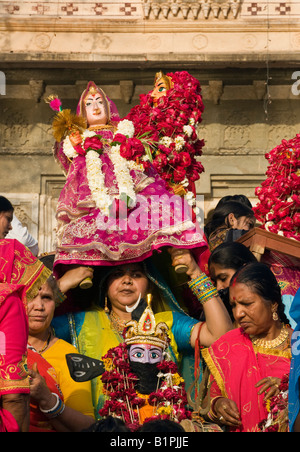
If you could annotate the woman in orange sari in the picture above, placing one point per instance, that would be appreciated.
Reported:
(248, 364)
(21, 275)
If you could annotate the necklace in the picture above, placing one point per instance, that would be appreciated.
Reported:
(47, 342)
(274, 343)
(117, 323)
(101, 126)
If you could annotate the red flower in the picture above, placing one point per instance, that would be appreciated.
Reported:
(132, 149)
(185, 159)
(182, 104)
(179, 174)
(160, 162)
(93, 143)
(79, 149)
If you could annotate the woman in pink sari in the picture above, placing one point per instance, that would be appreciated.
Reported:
(21, 275)
(248, 364)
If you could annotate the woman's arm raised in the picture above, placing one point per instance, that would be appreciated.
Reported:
(217, 320)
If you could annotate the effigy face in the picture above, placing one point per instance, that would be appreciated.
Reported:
(145, 353)
(160, 89)
(95, 109)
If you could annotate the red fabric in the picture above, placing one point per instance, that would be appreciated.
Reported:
(8, 424)
(38, 421)
(236, 367)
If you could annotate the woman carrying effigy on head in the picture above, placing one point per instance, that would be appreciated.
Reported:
(111, 209)
(94, 330)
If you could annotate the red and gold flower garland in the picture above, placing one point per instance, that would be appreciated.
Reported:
(123, 401)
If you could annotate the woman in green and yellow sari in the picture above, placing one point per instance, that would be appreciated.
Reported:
(95, 331)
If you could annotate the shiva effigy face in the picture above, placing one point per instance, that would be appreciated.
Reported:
(144, 359)
(95, 109)
(145, 353)
(160, 89)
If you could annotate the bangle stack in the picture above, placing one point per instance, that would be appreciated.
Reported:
(211, 414)
(203, 288)
(59, 295)
(56, 410)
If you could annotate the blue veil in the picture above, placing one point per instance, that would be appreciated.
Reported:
(294, 393)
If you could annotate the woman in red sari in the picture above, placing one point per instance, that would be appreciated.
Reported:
(21, 275)
(248, 364)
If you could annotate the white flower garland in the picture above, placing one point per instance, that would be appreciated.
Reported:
(68, 149)
(122, 172)
(126, 128)
(96, 182)
(95, 176)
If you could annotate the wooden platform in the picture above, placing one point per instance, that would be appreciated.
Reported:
(258, 241)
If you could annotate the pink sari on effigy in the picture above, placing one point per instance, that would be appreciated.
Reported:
(236, 366)
(21, 275)
(86, 236)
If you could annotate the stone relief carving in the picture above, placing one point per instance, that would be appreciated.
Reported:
(14, 131)
(279, 132)
(191, 9)
(237, 139)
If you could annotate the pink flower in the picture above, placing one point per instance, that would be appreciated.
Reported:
(55, 104)
(79, 149)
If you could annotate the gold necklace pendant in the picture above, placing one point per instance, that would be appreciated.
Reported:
(274, 343)
(117, 323)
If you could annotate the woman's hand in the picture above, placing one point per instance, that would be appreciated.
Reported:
(270, 386)
(185, 257)
(75, 138)
(74, 276)
(39, 389)
(227, 412)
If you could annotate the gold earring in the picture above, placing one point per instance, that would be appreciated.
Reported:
(106, 309)
(275, 316)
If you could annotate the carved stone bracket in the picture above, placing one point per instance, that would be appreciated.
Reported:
(216, 90)
(260, 89)
(191, 9)
(127, 90)
(37, 88)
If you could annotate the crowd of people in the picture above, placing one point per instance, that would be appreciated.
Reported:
(212, 348)
(243, 334)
